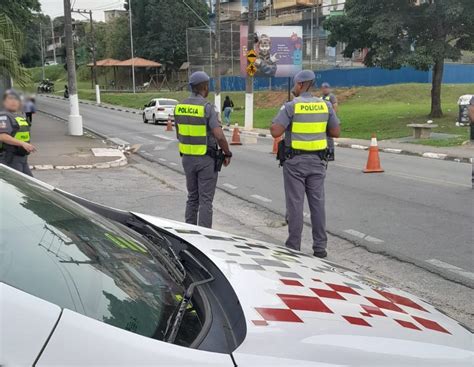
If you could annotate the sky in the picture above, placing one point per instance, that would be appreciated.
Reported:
(55, 8)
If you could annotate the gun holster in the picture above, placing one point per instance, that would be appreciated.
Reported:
(219, 158)
(282, 154)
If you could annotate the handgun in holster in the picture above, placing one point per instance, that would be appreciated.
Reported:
(219, 160)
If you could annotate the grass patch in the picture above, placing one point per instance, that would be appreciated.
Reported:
(443, 142)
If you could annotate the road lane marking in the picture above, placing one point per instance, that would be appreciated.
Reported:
(363, 236)
(164, 137)
(229, 186)
(162, 159)
(173, 164)
(262, 198)
(451, 268)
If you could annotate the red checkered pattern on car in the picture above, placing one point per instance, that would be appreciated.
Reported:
(373, 304)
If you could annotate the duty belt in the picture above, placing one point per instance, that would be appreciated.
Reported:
(320, 153)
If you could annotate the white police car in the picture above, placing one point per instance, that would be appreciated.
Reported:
(83, 284)
(159, 110)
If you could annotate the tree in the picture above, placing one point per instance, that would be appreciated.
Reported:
(159, 28)
(11, 46)
(401, 33)
(20, 12)
(32, 52)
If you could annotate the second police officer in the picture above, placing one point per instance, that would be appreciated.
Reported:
(306, 122)
(200, 134)
(14, 134)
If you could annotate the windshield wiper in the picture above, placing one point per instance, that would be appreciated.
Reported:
(164, 248)
(173, 327)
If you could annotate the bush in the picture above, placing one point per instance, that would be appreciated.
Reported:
(53, 73)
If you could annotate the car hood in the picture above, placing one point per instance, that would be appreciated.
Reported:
(301, 308)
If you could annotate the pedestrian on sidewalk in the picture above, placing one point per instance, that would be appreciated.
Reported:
(227, 109)
(29, 108)
(306, 122)
(200, 134)
(327, 95)
(14, 134)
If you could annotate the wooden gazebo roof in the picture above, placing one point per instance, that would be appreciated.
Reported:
(139, 62)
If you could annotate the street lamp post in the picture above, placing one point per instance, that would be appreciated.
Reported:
(131, 44)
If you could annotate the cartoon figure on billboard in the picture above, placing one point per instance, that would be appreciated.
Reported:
(297, 51)
(266, 63)
(279, 50)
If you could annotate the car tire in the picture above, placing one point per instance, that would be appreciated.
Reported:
(155, 121)
(144, 119)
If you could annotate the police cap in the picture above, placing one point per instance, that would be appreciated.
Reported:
(325, 85)
(198, 77)
(11, 93)
(304, 76)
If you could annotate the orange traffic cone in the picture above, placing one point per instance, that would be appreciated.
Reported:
(236, 136)
(373, 163)
(276, 141)
(169, 124)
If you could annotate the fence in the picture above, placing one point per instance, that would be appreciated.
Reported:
(453, 73)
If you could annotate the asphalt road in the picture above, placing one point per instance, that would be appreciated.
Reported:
(420, 210)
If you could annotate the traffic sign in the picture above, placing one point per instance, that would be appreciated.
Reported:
(251, 56)
(251, 69)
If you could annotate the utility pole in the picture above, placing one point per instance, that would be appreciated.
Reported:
(42, 53)
(131, 43)
(75, 119)
(54, 41)
(249, 80)
(217, 71)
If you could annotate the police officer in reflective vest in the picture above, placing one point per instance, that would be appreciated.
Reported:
(327, 95)
(14, 134)
(306, 122)
(200, 134)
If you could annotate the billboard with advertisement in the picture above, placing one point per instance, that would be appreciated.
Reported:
(279, 50)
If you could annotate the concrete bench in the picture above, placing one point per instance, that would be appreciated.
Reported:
(422, 131)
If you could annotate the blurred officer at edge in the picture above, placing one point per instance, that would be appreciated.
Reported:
(14, 134)
(200, 133)
(327, 95)
(306, 122)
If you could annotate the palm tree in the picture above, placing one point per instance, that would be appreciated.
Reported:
(11, 46)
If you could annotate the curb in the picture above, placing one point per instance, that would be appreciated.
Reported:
(429, 155)
(122, 161)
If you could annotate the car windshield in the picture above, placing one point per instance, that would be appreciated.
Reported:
(168, 102)
(61, 252)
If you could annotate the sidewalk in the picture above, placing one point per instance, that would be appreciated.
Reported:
(57, 150)
(464, 153)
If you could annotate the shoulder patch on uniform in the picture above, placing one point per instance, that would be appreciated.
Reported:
(282, 107)
(3, 124)
(3, 118)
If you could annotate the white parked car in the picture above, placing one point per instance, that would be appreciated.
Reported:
(82, 284)
(159, 110)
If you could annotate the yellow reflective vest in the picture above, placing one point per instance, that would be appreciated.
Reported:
(308, 128)
(191, 123)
